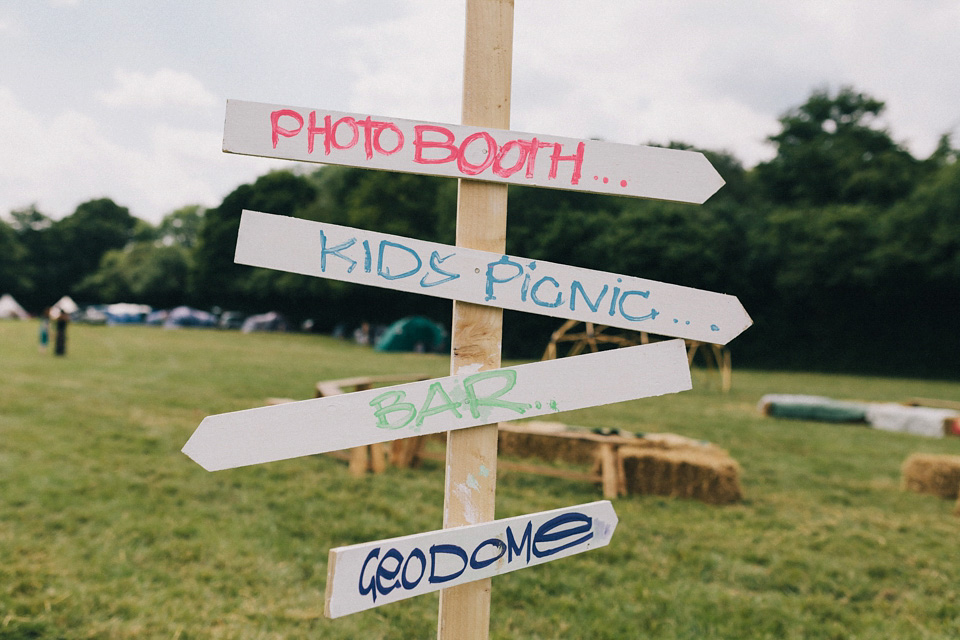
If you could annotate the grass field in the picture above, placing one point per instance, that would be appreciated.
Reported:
(108, 531)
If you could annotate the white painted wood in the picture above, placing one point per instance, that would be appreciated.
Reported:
(470, 398)
(373, 574)
(485, 278)
(477, 153)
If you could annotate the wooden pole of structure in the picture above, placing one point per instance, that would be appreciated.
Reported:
(471, 465)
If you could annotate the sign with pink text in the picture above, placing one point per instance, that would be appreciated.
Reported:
(363, 576)
(468, 399)
(476, 153)
(480, 277)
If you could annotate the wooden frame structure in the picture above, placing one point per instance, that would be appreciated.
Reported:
(593, 337)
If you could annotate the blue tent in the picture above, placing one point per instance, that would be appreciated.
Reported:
(187, 317)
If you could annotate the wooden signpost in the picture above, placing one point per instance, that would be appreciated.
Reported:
(469, 399)
(481, 280)
(471, 152)
(485, 278)
(372, 574)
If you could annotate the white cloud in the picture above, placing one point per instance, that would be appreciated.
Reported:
(165, 88)
(70, 158)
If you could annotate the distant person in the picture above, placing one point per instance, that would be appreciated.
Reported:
(362, 334)
(60, 343)
(44, 330)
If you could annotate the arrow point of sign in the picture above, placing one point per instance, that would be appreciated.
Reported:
(710, 181)
(739, 321)
(202, 448)
(606, 523)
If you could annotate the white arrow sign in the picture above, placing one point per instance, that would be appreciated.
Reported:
(394, 144)
(480, 277)
(372, 574)
(469, 399)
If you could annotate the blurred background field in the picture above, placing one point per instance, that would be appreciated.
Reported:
(108, 531)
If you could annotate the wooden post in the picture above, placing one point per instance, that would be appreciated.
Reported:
(471, 473)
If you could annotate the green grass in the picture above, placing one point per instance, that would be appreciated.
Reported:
(108, 531)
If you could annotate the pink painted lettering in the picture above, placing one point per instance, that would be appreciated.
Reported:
(524, 150)
(277, 130)
(313, 130)
(470, 169)
(535, 146)
(576, 158)
(419, 144)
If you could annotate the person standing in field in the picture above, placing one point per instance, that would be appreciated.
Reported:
(60, 344)
(44, 330)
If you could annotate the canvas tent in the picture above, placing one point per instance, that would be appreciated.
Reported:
(64, 305)
(414, 333)
(10, 308)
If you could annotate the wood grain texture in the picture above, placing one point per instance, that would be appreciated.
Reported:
(477, 331)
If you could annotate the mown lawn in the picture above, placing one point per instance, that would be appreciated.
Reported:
(108, 531)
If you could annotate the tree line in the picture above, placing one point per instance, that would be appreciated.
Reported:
(844, 247)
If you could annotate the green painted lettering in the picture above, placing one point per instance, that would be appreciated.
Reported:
(509, 377)
(397, 405)
(447, 405)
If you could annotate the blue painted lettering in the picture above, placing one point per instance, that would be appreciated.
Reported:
(645, 294)
(370, 587)
(435, 261)
(448, 561)
(335, 251)
(533, 293)
(411, 584)
(551, 531)
(389, 573)
(512, 546)
(494, 279)
(384, 270)
(576, 286)
(497, 543)
(448, 549)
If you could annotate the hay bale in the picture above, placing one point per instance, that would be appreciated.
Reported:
(707, 474)
(932, 473)
(549, 441)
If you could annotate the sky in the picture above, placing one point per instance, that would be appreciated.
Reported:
(125, 100)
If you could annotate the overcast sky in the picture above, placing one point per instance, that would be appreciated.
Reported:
(121, 99)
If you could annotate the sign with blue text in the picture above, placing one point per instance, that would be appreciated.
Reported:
(468, 275)
(363, 576)
(476, 153)
(468, 399)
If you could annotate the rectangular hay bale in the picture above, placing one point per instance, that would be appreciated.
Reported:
(708, 475)
(935, 474)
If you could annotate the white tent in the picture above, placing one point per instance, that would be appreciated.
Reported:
(64, 304)
(10, 308)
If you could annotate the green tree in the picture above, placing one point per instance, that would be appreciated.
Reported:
(181, 227)
(13, 277)
(143, 272)
(95, 227)
(830, 150)
(39, 267)
(215, 279)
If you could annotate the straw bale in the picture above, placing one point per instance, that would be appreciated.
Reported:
(707, 474)
(550, 441)
(932, 473)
